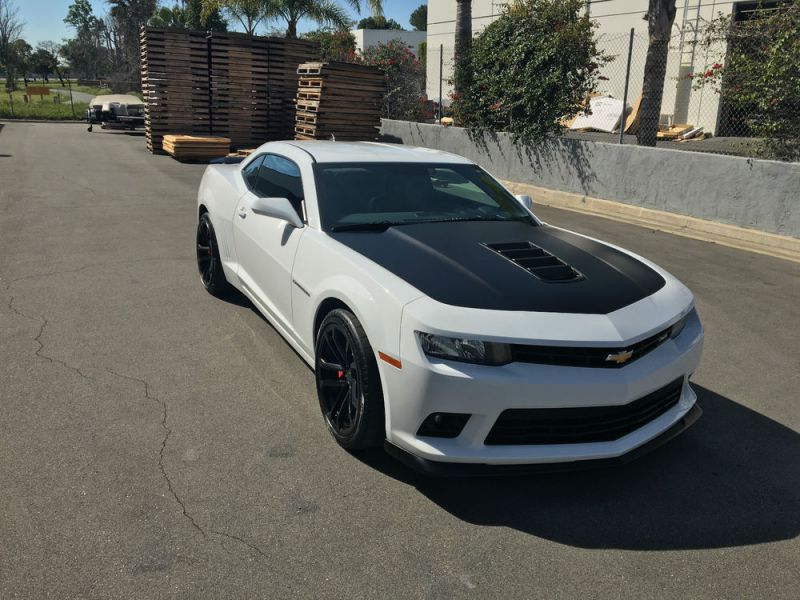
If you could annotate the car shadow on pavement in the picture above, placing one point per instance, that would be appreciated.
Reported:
(732, 479)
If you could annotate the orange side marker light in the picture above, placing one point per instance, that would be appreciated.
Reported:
(392, 361)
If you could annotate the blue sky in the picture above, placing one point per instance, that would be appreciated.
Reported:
(44, 18)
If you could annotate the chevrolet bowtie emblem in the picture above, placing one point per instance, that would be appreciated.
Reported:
(620, 357)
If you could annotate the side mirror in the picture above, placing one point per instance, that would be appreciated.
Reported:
(525, 200)
(280, 208)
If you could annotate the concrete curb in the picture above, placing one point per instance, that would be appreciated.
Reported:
(779, 246)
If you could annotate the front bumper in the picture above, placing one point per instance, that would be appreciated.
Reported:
(425, 386)
(451, 469)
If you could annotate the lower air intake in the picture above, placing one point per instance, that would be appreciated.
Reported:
(528, 426)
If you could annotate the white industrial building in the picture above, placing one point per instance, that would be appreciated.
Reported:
(615, 18)
(366, 38)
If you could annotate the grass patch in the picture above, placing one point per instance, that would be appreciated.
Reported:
(36, 108)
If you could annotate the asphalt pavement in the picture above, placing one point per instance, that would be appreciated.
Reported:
(156, 442)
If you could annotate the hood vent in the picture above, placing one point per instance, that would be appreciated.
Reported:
(536, 261)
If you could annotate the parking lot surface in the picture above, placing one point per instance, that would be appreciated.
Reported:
(156, 442)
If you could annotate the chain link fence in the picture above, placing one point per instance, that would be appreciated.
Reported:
(712, 88)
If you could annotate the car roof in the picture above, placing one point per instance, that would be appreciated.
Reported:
(324, 151)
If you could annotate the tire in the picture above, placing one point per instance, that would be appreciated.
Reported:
(348, 383)
(208, 261)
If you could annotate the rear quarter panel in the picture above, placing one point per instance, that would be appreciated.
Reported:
(219, 193)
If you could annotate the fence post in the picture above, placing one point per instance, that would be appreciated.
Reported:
(71, 103)
(623, 119)
(441, 63)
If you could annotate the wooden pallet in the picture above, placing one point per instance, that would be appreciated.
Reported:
(338, 100)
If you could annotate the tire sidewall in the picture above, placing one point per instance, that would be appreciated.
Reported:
(370, 401)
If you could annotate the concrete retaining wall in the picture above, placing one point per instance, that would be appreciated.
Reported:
(758, 194)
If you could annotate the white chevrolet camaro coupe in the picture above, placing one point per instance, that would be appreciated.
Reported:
(441, 317)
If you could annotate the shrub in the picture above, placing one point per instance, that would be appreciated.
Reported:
(404, 79)
(528, 69)
(334, 45)
(755, 67)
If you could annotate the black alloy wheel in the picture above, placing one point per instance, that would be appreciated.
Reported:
(208, 261)
(348, 383)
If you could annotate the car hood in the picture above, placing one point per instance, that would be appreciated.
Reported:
(465, 264)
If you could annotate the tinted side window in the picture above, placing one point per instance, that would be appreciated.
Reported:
(250, 172)
(280, 178)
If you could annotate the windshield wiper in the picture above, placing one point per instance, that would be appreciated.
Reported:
(370, 226)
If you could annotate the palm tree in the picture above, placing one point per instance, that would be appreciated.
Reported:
(660, 15)
(326, 13)
(127, 17)
(463, 43)
(250, 13)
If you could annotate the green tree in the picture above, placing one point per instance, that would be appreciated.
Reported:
(404, 79)
(334, 45)
(419, 18)
(169, 17)
(42, 63)
(378, 22)
(19, 60)
(532, 66)
(53, 52)
(660, 16)
(11, 27)
(326, 13)
(90, 52)
(189, 15)
(196, 19)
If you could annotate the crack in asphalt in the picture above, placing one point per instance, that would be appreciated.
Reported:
(43, 322)
(240, 540)
(92, 265)
(167, 433)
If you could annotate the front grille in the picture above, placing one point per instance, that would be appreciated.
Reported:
(537, 261)
(581, 425)
(575, 356)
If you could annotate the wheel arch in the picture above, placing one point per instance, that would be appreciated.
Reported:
(324, 308)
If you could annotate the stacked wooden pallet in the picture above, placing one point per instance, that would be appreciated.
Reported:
(190, 147)
(339, 100)
(229, 84)
(175, 83)
(239, 65)
(284, 58)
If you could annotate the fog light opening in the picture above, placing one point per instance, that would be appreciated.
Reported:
(443, 425)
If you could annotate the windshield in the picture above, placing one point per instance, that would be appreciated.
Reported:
(386, 194)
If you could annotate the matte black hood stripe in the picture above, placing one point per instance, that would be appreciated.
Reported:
(451, 263)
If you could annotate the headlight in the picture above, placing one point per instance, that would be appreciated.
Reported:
(464, 350)
(676, 329)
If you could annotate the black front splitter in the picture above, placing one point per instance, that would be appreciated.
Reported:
(447, 469)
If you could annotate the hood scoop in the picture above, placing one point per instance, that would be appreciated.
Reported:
(536, 261)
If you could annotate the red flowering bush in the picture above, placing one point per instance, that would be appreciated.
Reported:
(759, 81)
(405, 78)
